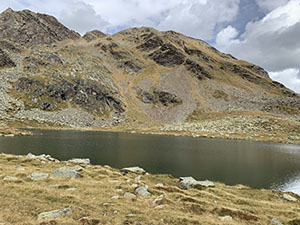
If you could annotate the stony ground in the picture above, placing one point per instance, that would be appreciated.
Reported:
(29, 189)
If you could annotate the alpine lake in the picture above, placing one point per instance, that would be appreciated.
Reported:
(256, 164)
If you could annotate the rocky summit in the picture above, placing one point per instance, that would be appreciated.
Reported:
(137, 79)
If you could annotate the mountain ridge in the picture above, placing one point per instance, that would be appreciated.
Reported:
(136, 79)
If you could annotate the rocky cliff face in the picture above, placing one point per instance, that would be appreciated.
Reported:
(26, 27)
(139, 77)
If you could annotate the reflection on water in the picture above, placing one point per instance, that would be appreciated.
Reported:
(261, 165)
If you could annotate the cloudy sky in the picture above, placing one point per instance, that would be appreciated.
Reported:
(264, 32)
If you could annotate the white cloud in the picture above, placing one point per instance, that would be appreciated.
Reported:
(82, 17)
(289, 77)
(226, 36)
(272, 42)
(200, 18)
(269, 5)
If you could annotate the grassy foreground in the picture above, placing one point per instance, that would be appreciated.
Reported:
(91, 196)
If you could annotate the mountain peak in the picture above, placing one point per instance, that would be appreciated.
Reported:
(8, 10)
(93, 35)
(30, 28)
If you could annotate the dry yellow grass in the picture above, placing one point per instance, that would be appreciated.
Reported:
(23, 200)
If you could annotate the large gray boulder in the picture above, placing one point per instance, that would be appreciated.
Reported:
(289, 198)
(80, 161)
(66, 172)
(54, 214)
(143, 191)
(190, 182)
(134, 169)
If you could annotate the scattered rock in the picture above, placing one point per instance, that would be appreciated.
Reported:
(190, 182)
(134, 169)
(42, 157)
(225, 218)
(115, 197)
(107, 203)
(80, 161)
(10, 178)
(129, 195)
(54, 214)
(143, 191)
(275, 221)
(38, 176)
(289, 198)
(20, 169)
(66, 172)
(71, 189)
(206, 183)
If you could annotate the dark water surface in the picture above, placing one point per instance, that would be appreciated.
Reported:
(257, 164)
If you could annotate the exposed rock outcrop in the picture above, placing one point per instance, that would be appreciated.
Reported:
(93, 35)
(31, 28)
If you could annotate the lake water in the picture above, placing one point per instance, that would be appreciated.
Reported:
(257, 164)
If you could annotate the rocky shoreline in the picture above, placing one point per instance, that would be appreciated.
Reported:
(76, 192)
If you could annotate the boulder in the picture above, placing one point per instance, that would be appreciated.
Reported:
(289, 198)
(38, 176)
(10, 178)
(129, 195)
(225, 218)
(134, 169)
(206, 183)
(66, 172)
(80, 161)
(54, 214)
(190, 182)
(143, 191)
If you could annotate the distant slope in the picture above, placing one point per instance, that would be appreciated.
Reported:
(139, 78)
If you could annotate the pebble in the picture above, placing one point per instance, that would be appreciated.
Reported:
(115, 197)
(129, 195)
(134, 185)
(71, 189)
(225, 218)
(107, 203)
(10, 178)
(54, 214)
(38, 176)
(159, 185)
(160, 207)
(275, 221)
(20, 169)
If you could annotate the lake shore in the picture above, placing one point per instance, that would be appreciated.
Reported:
(104, 195)
(283, 137)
